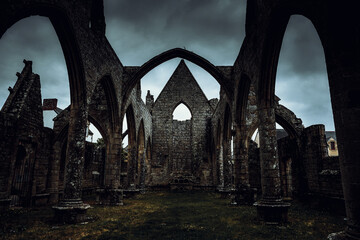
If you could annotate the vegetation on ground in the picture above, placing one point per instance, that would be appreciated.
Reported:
(162, 215)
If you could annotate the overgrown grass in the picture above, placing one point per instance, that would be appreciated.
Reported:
(175, 216)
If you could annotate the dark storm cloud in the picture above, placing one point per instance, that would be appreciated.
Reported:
(214, 29)
(31, 36)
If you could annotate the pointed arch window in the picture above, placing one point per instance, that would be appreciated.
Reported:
(182, 113)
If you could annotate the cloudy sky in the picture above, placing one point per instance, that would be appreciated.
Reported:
(140, 29)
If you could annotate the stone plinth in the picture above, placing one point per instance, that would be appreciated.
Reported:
(348, 234)
(337, 236)
(41, 199)
(272, 212)
(111, 197)
(71, 211)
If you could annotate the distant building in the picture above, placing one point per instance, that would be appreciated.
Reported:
(332, 143)
(280, 133)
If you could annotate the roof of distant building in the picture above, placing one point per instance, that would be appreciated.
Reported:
(330, 134)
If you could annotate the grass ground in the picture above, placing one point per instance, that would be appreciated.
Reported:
(161, 215)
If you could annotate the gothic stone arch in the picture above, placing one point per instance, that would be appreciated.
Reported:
(134, 78)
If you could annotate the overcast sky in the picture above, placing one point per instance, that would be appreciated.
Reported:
(140, 29)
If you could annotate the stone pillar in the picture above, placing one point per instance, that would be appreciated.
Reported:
(215, 165)
(243, 193)
(110, 193)
(54, 174)
(270, 208)
(345, 92)
(227, 165)
(220, 161)
(241, 159)
(72, 209)
(131, 167)
(116, 153)
(142, 171)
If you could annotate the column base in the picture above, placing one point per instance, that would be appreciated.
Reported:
(272, 211)
(71, 211)
(348, 234)
(352, 232)
(342, 236)
(337, 236)
(110, 197)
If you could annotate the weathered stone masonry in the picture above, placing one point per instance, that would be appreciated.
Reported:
(23, 135)
(179, 148)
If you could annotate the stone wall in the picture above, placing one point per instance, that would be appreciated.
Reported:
(43, 161)
(7, 136)
(314, 150)
(181, 88)
(141, 113)
(26, 140)
(135, 168)
(221, 155)
(181, 162)
(313, 172)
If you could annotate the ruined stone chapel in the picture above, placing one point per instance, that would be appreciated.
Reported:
(212, 150)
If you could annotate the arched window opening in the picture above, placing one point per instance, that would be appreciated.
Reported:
(255, 135)
(94, 149)
(125, 140)
(226, 145)
(124, 150)
(232, 149)
(95, 155)
(92, 134)
(140, 169)
(128, 163)
(182, 113)
(285, 154)
(280, 132)
(302, 81)
(41, 46)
